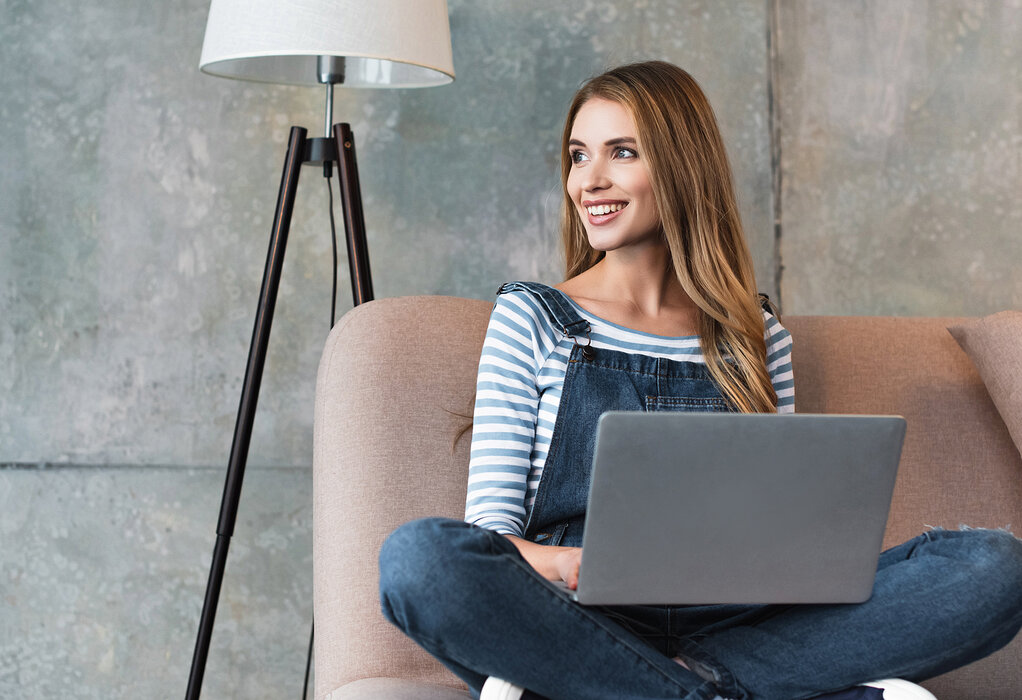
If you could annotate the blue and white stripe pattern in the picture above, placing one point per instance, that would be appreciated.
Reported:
(521, 373)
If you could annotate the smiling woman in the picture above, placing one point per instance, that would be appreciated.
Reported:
(645, 135)
(659, 311)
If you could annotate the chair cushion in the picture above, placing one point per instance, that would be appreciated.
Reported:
(994, 344)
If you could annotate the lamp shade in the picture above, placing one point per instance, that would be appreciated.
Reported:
(385, 43)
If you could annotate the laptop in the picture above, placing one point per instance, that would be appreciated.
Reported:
(704, 508)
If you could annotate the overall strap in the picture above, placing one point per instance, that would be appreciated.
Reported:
(556, 303)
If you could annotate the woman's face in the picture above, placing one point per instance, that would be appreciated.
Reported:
(609, 182)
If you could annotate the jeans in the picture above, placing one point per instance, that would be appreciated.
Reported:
(465, 594)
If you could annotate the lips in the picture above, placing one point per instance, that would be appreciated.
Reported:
(603, 211)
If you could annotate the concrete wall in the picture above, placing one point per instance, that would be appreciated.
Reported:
(137, 202)
(901, 166)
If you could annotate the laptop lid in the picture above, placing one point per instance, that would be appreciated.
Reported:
(701, 508)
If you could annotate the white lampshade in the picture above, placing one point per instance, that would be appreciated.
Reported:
(385, 43)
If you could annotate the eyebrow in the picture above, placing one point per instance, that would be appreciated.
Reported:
(624, 140)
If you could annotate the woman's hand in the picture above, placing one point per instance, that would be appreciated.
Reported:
(567, 561)
(552, 563)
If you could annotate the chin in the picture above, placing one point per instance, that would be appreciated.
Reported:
(601, 245)
(605, 243)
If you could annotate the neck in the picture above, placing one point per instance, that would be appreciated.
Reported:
(643, 278)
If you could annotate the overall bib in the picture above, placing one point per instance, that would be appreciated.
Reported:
(599, 380)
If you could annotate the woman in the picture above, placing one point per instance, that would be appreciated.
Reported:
(658, 276)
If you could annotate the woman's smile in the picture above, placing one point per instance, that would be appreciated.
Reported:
(602, 211)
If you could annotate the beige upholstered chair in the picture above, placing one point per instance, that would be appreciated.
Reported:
(395, 393)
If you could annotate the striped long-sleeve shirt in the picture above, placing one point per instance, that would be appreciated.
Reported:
(518, 391)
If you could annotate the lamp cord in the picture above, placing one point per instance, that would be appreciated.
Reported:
(333, 236)
(333, 318)
(308, 661)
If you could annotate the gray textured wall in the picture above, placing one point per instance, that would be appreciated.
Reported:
(137, 197)
(901, 166)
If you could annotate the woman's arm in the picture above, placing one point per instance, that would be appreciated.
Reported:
(778, 341)
(552, 563)
(505, 416)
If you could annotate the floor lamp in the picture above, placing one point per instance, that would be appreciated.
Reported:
(352, 43)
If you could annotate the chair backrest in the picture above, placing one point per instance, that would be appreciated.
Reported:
(394, 402)
(959, 464)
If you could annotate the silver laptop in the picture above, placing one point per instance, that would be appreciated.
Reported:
(700, 508)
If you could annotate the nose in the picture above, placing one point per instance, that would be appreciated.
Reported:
(596, 176)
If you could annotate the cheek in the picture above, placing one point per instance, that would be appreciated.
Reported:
(640, 184)
(572, 187)
(644, 190)
(648, 213)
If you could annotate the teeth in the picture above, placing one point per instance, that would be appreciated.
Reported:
(601, 209)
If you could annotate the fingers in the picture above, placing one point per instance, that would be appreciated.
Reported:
(576, 563)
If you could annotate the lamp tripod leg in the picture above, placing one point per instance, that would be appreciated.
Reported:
(354, 219)
(249, 398)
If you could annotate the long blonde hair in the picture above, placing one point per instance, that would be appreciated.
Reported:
(691, 178)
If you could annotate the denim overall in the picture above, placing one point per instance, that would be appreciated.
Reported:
(466, 595)
(599, 380)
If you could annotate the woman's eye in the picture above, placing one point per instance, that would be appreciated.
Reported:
(578, 157)
(625, 153)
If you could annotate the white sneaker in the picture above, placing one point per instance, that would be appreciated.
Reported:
(898, 689)
(894, 689)
(496, 689)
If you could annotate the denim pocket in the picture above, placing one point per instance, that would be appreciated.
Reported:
(687, 403)
(550, 536)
